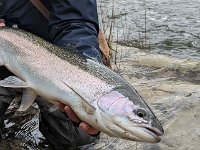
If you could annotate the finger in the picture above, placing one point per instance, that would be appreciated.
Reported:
(2, 24)
(71, 114)
(88, 129)
(61, 106)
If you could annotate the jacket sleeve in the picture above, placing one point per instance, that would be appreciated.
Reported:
(72, 23)
(75, 23)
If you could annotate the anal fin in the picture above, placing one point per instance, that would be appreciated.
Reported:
(28, 98)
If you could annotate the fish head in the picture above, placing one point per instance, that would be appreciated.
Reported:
(128, 116)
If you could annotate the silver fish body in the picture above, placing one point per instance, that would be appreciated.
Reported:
(97, 95)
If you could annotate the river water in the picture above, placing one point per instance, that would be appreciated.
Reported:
(165, 71)
(172, 26)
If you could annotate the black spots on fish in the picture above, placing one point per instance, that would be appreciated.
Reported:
(96, 121)
(102, 72)
(67, 53)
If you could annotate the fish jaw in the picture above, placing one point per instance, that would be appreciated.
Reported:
(120, 119)
(120, 126)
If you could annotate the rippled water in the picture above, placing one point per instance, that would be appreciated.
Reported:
(172, 26)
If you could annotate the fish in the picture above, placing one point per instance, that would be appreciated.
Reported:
(97, 95)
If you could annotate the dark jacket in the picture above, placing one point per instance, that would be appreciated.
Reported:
(72, 22)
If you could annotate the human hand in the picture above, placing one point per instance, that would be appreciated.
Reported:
(83, 125)
(2, 24)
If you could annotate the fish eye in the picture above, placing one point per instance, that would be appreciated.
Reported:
(141, 112)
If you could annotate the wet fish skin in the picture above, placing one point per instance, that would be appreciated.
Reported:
(96, 94)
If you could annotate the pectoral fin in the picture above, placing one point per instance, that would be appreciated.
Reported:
(88, 107)
(28, 98)
(13, 82)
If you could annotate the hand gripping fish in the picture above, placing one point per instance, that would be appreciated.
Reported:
(97, 95)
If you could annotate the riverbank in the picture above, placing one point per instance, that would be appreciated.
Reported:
(174, 100)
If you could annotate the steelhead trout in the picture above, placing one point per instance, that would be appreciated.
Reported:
(97, 95)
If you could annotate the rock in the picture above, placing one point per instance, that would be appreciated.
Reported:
(174, 100)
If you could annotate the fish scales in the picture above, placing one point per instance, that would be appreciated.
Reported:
(61, 74)
(47, 64)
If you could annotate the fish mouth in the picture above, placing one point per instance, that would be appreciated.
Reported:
(154, 132)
